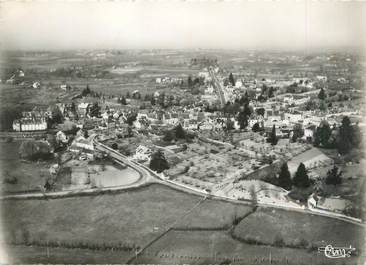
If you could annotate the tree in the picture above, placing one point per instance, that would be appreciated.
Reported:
(169, 136)
(253, 196)
(86, 91)
(56, 115)
(322, 134)
(94, 110)
(243, 120)
(123, 100)
(256, 127)
(47, 186)
(298, 132)
(260, 111)
(229, 125)
(301, 178)
(345, 137)
(231, 79)
(321, 94)
(152, 101)
(272, 138)
(131, 118)
(180, 133)
(33, 150)
(190, 82)
(333, 176)
(158, 162)
(322, 106)
(284, 177)
(271, 92)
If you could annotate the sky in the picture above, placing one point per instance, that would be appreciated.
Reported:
(182, 24)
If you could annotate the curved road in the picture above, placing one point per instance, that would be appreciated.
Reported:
(149, 176)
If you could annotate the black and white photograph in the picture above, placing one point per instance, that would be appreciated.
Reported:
(183, 132)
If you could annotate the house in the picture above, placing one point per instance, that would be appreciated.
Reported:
(143, 153)
(333, 204)
(65, 87)
(293, 117)
(31, 121)
(61, 137)
(36, 84)
(83, 108)
(311, 158)
(309, 132)
(83, 145)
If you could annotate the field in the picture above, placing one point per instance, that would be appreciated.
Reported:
(215, 247)
(137, 217)
(23, 254)
(293, 226)
(29, 175)
(133, 217)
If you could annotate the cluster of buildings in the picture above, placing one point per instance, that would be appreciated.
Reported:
(34, 120)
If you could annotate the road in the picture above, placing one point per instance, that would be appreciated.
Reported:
(149, 176)
(218, 87)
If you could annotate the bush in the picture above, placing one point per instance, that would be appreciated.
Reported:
(34, 150)
(278, 241)
(10, 180)
(9, 139)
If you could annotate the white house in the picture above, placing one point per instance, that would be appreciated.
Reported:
(82, 145)
(36, 84)
(143, 153)
(83, 108)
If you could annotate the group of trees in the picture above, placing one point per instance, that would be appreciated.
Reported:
(345, 138)
(266, 92)
(240, 109)
(194, 84)
(272, 137)
(300, 180)
(158, 162)
(177, 133)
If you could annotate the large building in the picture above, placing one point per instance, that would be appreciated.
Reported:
(31, 121)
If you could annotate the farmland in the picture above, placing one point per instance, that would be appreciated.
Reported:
(293, 226)
(134, 218)
(208, 247)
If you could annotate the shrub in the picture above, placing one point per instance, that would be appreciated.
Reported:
(10, 180)
(278, 241)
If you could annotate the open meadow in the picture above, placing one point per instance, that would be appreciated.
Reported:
(294, 228)
(217, 247)
(134, 218)
(29, 175)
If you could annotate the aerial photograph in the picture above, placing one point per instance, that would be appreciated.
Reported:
(183, 132)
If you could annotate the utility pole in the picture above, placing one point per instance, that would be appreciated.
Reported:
(48, 250)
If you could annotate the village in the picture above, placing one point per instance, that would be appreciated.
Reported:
(272, 141)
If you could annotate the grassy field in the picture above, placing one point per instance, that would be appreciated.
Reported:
(129, 217)
(29, 175)
(207, 247)
(24, 254)
(293, 226)
(137, 217)
(213, 214)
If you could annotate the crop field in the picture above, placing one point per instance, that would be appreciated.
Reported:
(293, 226)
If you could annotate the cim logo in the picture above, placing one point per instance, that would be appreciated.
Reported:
(337, 252)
